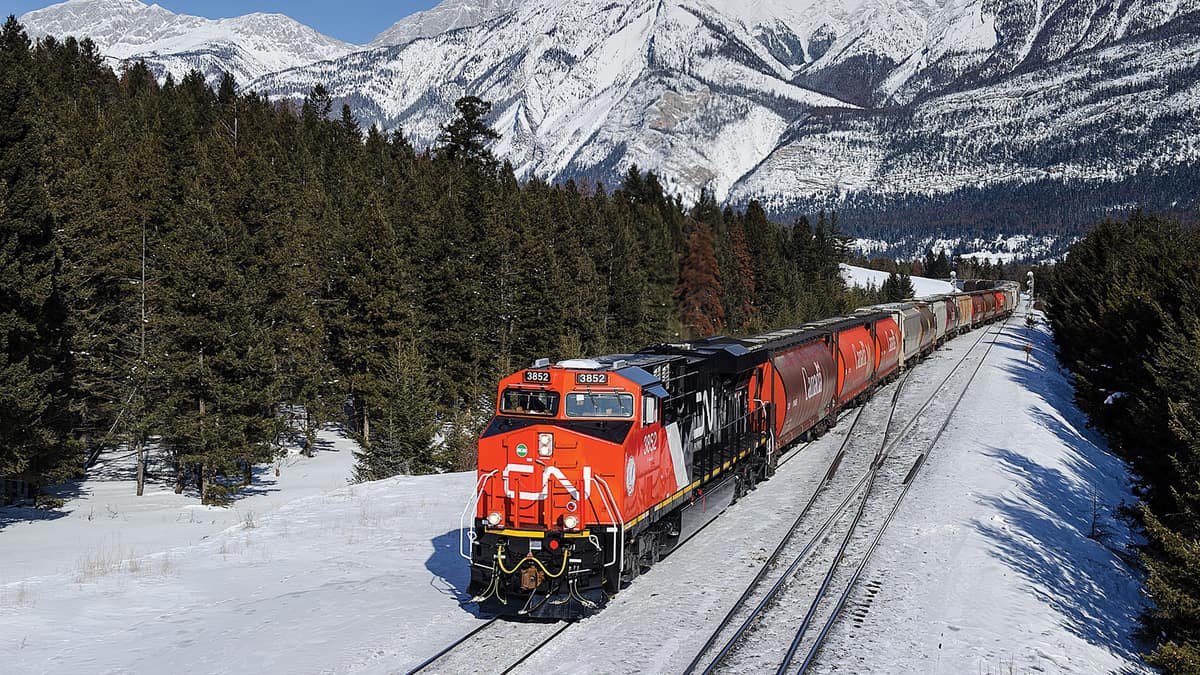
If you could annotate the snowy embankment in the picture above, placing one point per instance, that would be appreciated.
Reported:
(987, 568)
(1007, 555)
(864, 278)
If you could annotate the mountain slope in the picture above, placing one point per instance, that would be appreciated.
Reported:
(672, 86)
(795, 101)
(446, 16)
(128, 30)
(862, 104)
(1097, 116)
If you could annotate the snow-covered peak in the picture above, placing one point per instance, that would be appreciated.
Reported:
(248, 46)
(446, 16)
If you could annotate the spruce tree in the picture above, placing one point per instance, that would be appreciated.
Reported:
(34, 364)
(699, 291)
(467, 136)
(407, 420)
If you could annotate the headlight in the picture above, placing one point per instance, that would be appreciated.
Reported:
(545, 444)
(571, 522)
(494, 518)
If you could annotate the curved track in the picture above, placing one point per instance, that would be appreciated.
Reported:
(819, 638)
(772, 601)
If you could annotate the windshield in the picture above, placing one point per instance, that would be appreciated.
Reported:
(520, 402)
(600, 405)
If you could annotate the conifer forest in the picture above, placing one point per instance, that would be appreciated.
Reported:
(1124, 311)
(202, 273)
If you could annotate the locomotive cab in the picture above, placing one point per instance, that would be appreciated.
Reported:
(559, 464)
(590, 470)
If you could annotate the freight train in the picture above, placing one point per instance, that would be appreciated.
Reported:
(592, 469)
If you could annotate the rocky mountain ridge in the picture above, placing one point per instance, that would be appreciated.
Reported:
(796, 103)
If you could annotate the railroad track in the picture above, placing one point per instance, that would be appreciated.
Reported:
(818, 639)
(483, 649)
(770, 600)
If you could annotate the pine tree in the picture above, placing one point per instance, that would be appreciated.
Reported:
(466, 137)
(699, 289)
(34, 367)
(403, 436)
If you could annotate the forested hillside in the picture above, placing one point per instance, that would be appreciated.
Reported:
(1124, 307)
(198, 273)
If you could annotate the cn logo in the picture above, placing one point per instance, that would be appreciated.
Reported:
(550, 472)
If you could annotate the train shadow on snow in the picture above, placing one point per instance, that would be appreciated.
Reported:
(451, 573)
(1046, 531)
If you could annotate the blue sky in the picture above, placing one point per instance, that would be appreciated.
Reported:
(354, 21)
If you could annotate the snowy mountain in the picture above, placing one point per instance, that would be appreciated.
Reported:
(798, 103)
(446, 16)
(128, 30)
(587, 88)
(791, 102)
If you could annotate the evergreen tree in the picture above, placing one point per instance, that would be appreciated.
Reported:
(897, 287)
(699, 289)
(34, 367)
(403, 436)
(467, 136)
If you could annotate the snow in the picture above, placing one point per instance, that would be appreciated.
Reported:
(987, 567)
(248, 46)
(863, 277)
(1000, 248)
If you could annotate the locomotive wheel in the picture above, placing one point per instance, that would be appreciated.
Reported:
(648, 548)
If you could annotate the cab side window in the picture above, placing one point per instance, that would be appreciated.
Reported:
(649, 410)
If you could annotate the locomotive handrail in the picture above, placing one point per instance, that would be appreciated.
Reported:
(618, 543)
(463, 532)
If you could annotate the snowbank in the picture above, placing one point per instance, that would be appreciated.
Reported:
(863, 277)
(989, 566)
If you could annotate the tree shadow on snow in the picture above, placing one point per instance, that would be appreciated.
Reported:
(24, 512)
(451, 572)
(1046, 528)
(11, 515)
(1042, 534)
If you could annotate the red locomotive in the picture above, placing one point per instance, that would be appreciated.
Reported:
(593, 469)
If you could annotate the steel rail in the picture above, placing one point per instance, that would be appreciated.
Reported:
(908, 482)
(830, 472)
(453, 645)
(883, 452)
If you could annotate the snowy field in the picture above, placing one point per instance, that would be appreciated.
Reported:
(988, 567)
(863, 278)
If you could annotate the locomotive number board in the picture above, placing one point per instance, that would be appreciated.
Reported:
(539, 376)
(591, 378)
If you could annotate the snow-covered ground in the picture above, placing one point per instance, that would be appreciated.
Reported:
(863, 278)
(987, 567)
